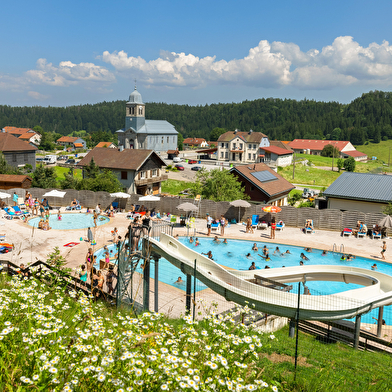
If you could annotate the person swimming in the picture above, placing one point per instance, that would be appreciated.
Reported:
(277, 251)
(216, 240)
(252, 266)
(191, 240)
(179, 280)
(303, 257)
(197, 243)
(255, 248)
(325, 252)
(224, 241)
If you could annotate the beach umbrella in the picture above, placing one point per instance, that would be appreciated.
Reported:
(149, 198)
(187, 207)
(239, 204)
(4, 195)
(272, 209)
(120, 195)
(386, 222)
(54, 193)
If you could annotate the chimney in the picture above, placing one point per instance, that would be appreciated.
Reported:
(250, 131)
(235, 131)
(121, 148)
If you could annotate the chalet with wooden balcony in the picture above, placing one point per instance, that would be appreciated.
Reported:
(139, 171)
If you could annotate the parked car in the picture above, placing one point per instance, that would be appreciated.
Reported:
(39, 159)
(62, 157)
(70, 162)
(179, 167)
(196, 168)
(176, 159)
(308, 193)
(192, 161)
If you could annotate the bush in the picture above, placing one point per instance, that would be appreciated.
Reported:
(307, 204)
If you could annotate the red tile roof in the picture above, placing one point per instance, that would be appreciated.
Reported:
(9, 143)
(27, 135)
(193, 140)
(316, 145)
(112, 158)
(103, 144)
(355, 153)
(277, 150)
(79, 145)
(17, 131)
(67, 139)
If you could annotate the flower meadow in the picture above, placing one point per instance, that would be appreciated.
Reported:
(56, 341)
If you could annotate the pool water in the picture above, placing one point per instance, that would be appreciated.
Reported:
(234, 253)
(71, 221)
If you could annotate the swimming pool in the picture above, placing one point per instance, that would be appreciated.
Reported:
(234, 253)
(70, 221)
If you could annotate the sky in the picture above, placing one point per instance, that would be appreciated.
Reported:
(192, 52)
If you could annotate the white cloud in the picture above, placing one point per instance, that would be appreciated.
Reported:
(68, 73)
(274, 65)
(37, 96)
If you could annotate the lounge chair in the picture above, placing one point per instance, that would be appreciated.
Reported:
(10, 214)
(255, 221)
(262, 225)
(115, 206)
(376, 236)
(347, 232)
(21, 203)
(309, 230)
(361, 234)
(280, 225)
(215, 226)
(74, 207)
(20, 212)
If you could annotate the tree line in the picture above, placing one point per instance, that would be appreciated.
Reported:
(368, 117)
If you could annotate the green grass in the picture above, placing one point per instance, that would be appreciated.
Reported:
(174, 187)
(380, 150)
(61, 170)
(309, 175)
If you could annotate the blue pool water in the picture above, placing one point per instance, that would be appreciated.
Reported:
(234, 254)
(70, 221)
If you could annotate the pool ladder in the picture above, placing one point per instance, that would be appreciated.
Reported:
(335, 248)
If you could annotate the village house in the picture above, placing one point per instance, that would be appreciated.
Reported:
(16, 152)
(365, 192)
(139, 133)
(72, 142)
(194, 142)
(10, 181)
(314, 147)
(263, 184)
(26, 134)
(105, 145)
(139, 171)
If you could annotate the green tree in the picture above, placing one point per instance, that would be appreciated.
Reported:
(180, 141)
(329, 150)
(218, 185)
(335, 135)
(387, 210)
(377, 136)
(91, 170)
(340, 164)
(44, 177)
(292, 200)
(46, 142)
(70, 181)
(216, 132)
(349, 164)
(105, 181)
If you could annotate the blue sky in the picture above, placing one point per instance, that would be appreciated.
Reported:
(192, 52)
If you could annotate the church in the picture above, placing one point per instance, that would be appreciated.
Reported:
(139, 133)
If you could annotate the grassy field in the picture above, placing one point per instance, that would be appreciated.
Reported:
(380, 150)
(174, 187)
(61, 170)
(309, 175)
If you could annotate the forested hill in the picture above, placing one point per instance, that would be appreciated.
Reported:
(366, 118)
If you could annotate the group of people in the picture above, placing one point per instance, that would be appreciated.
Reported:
(223, 222)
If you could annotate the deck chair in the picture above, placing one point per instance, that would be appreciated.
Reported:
(361, 234)
(280, 226)
(20, 212)
(255, 221)
(9, 214)
(347, 232)
(376, 236)
(214, 226)
(115, 206)
(21, 203)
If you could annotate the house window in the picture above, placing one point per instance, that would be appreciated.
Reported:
(234, 146)
(222, 154)
(254, 156)
(226, 154)
(154, 172)
(223, 145)
(124, 175)
(240, 146)
(168, 139)
(252, 188)
(13, 157)
(249, 156)
(162, 139)
(26, 157)
(254, 146)
(250, 146)
(227, 145)
(142, 175)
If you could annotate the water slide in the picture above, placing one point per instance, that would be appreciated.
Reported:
(240, 286)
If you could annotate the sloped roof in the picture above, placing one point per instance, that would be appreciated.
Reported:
(361, 186)
(277, 150)
(355, 153)
(157, 127)
(27, 135)
(16, 130)
(279, 143)
(248, 137)
(10, 143)
(193, 140)
(67, 139)
(317, 145)
(112, 158)
(78, 144)
(270, 188)
(14, 178)
(104, 144)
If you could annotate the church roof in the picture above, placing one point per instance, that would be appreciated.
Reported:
(157, 127)
(135, 97)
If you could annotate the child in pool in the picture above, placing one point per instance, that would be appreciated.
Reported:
(59, 217)
(197, 243)
(224, 241)
(191, 240)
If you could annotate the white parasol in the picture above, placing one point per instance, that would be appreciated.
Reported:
(120, 195)
(149, 198)
(54, 193)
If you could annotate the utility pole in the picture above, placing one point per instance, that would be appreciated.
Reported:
(333, 154)
(389, 158)
(293, 165)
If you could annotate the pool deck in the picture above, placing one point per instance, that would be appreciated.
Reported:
(32, 244)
